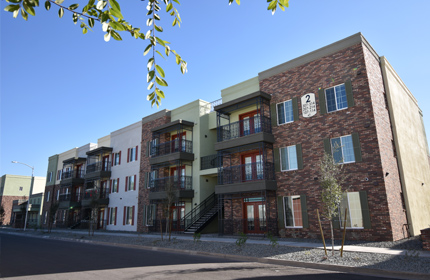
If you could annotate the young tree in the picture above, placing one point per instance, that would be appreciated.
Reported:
(169, 200)
(52, 214)
(108, 14)
(331, 180)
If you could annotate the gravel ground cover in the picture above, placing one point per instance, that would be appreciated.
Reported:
(411, 262)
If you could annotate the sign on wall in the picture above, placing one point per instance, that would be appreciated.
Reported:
(309, 106)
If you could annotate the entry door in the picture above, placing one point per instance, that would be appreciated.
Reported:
(101, 219)
(105, 161)
(178, 142)
(255, 217)
(250, 123)
(178, 213)
(252, 167)
(178, 174)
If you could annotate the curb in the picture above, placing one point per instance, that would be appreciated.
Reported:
(329, 267)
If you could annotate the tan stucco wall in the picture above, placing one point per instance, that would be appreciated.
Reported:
(14, 182)
(411, 146)
(239, 90)
(104, 141)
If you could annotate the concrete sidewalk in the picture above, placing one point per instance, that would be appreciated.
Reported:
(265, 241)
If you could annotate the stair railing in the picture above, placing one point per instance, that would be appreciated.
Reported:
(191, 217)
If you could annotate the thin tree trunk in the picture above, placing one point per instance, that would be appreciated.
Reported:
(332, 238)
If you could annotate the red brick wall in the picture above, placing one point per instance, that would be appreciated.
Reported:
(7, 203)
(145, 167)
(425, 238)
(46, 205)
(362, 118)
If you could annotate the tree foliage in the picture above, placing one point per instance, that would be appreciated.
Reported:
(108, 14)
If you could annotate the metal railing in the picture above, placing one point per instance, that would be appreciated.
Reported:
(75, 197)
(208, 162)
(191, 217)
(215, 103)
(177, 145)
(246, 172)
(245, 127)
(73, 174)
(176, 182)
(99, 166)
(96, 193)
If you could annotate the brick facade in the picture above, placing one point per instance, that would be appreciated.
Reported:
(7, 203)
(369, 118)
(425, 238)
(47, 205)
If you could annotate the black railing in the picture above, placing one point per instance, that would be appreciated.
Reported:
(72, 174)
(176, 183)
(73, 197)
(177, 145)
(215, 103)
(96, 193)
(191, 217)
(209, 162)
(246, 172)
(98, 166)
(245, 127)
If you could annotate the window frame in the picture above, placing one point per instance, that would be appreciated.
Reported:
(342, 149)
(285, 116)
(114, 186)
(128, 215)
(335, 98)
(151, 214)
(280, 158)
(341, 212)
(290, 198)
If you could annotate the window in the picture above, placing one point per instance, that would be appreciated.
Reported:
(285, 112)
(20, 189)
(47, 197)
(149, 215)
(132, 154)
(114, 185)
(112, 215)
(289, 158)
(358, 213)
(128, 215)
(45, 218)
(49, 177)
(153, 177)
(116, 158)
(336, 98)
(59, 174)
(293, 211)
(58, 195)
(130, 183)
(342, 149)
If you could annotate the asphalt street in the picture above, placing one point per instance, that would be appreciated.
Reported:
(37, 258)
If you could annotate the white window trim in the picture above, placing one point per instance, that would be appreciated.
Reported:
(277, 115)
(285, 216)
(335, 97)
(280, 158)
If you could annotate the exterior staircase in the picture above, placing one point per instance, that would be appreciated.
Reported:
(202, 214)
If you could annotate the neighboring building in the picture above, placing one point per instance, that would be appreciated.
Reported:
(17, 187)
(250, 162)
(34, 211)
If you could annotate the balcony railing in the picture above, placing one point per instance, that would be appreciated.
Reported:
(246, 172)
(245, 127)
(98, 166)
(75, 197)
(177, 145)
(96, 193)
(209, 162)
(177, 183)
(72, 174)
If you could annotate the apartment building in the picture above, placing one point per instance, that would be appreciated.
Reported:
(250, 161)
(14, 194)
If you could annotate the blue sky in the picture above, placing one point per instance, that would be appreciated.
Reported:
(61, 89)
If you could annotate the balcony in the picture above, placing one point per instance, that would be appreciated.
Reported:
(181, 186)
(178, 149)
(97, 170)
(256, 129)
(69, 200)
(94, 196)
(73, 177)
(249, 177)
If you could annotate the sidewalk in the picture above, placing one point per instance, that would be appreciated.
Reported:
(209, 238)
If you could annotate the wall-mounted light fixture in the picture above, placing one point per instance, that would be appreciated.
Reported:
(386, 174)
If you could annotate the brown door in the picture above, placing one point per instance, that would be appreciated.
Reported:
(255, 217)
(105, 166)
(252, 167)
(250, 123)
(178, 212)
(178, 142)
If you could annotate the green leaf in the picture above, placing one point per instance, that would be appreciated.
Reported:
(151, 85)
(167, 49)
(117, 26)
(158, 28)
(272, 5)
(149, 22)
(177, 2)
(24, 14)
(147, 49)
(75, 18)
(160, 93)
(14, 1)
(91, 22)
(150, 76)
(29, 9)
(157, 17)
(115, 35)
(160, 81)
(161, 42)
(85, 30)
(11, 8)
(238, 2)
(169, 7)
(107, 37)
(73, 6)
(60, 12)
(115, 5)
(160, 71)
(116, 13)
(148, 34)
(59, 2)
(15, 13)
(101, 5)
(150, 63)
(159, 54)
(47, 5)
